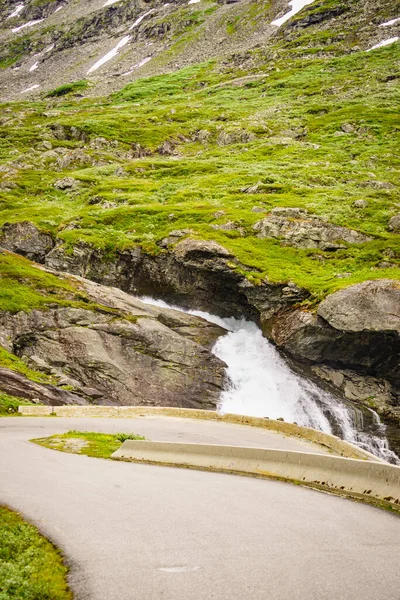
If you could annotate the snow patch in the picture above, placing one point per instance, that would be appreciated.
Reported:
(139, 20)
(59, 8)
(28, 24)
(29, 89)
(296, 5)
(16, 12)
(389, 23)
(110, 54)
(49, 49)
(34, 67)
(193, 1)
(384, 43)
(137, 66)
(109, 2)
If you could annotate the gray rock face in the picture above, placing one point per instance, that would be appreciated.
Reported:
(20, 386)
(300, 229)
(26, 239)
(370, 391)
(356, 328)
(368, 306)
(124, 353)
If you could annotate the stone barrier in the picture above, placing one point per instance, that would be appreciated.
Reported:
(364, 479)
(326, 440)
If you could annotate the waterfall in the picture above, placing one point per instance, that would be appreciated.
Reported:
(261, 384)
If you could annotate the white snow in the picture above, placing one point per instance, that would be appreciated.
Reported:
(28, 24)
(109, 2)
(139, 20)
(296, 5)
(16, 12)
(49, 49)
(29, 89)
(34, 67)
(389, 23)
(110, 54)
(384, 43)
(137, 66)
(193, 1)
(59, 8)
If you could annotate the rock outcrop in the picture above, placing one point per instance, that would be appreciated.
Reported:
(122, 351)
(26, 239)
(18, 385)
(298, 228)
(356, 328)
(369, 306)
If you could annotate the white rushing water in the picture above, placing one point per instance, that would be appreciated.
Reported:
(261, 384)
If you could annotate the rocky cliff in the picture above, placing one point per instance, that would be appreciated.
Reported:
(117, 350)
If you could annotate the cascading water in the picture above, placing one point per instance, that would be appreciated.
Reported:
(261, 384)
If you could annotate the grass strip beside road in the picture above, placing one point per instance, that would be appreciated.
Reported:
(99, 445)
(31, 568)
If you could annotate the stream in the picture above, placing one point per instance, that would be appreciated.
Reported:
(262, 384)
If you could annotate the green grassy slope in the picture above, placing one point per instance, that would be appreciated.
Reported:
(279, 128)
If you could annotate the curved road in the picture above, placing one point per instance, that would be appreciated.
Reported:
(140, 532)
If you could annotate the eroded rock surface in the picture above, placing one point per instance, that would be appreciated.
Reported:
(300, 229)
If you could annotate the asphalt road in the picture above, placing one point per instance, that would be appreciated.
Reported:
(140, 532)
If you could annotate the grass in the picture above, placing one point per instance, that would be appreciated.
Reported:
(30, 566)
(98, 445)
(9, 404)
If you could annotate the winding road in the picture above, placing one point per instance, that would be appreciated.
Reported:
(141, 532)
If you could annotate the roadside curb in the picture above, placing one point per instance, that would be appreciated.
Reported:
(366, 480)
(326, 440)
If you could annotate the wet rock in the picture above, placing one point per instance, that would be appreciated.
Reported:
(67, 183)
(374, 393)
(26, 239)
(394, 223)
(300, 229)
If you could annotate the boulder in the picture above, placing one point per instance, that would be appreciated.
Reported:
(355, 328)
(394, 223)
(26, 239)
(298, 228)
(368, 306)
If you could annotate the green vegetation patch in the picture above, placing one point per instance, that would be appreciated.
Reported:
(9, 405)
(30, 566)
(68, 88)
(98, 445)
